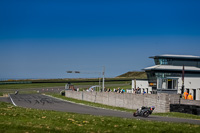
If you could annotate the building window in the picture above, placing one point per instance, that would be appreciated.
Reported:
(175, 84)
(163, 61)
(165, 75)
(156, 61)
(167, 83)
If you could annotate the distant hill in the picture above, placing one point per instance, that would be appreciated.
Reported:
(134, 74)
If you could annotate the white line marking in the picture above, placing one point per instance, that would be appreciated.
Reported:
(12, 100)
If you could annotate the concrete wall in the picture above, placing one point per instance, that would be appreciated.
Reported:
(126, 100)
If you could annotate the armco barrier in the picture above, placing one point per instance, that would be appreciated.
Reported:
(130, 101)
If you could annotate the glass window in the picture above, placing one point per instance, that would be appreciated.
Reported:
(175, 84)
(167, 83)
(163, 61)
(156, 61)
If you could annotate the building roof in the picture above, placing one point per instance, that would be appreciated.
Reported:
(176, 56)
(172, 68)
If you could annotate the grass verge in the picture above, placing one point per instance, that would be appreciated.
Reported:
(170, 114)
(16, 119)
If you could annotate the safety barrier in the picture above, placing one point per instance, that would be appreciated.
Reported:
(125, 100)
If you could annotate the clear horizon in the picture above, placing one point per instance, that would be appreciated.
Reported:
(44, 39)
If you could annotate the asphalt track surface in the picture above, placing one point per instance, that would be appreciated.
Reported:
(44, 102)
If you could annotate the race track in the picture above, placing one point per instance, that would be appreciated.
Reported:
(44, 102)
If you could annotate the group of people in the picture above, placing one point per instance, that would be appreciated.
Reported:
(139, 91)
(188, 96)
(119, 90)
(107, 90)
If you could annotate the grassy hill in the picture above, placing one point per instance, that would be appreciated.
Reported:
(134, 74)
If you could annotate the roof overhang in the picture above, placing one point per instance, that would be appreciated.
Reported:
(171, 68)
(177, 56)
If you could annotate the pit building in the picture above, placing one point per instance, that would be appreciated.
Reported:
(170, 73)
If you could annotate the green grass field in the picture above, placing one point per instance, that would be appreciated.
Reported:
(27, 86)
(40, 85)
(113, 84)
(16, 119)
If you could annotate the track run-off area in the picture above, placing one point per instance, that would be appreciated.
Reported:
(44, 102)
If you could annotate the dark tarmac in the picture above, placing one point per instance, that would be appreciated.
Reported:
(5, 99)
(44, 102)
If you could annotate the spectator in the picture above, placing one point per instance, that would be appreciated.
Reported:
(137, 90)
(116, 90)
(119, 90)
(190, 97)
(134, 91)
(144, 91)
(186, 94)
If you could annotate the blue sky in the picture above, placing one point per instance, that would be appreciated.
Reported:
(45, 38)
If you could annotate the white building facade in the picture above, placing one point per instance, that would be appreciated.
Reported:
(174, 74)
(143, 85)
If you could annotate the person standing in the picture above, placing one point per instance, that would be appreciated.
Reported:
(190, 97)
(144, 92)
(137, 91)
(185, 94)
